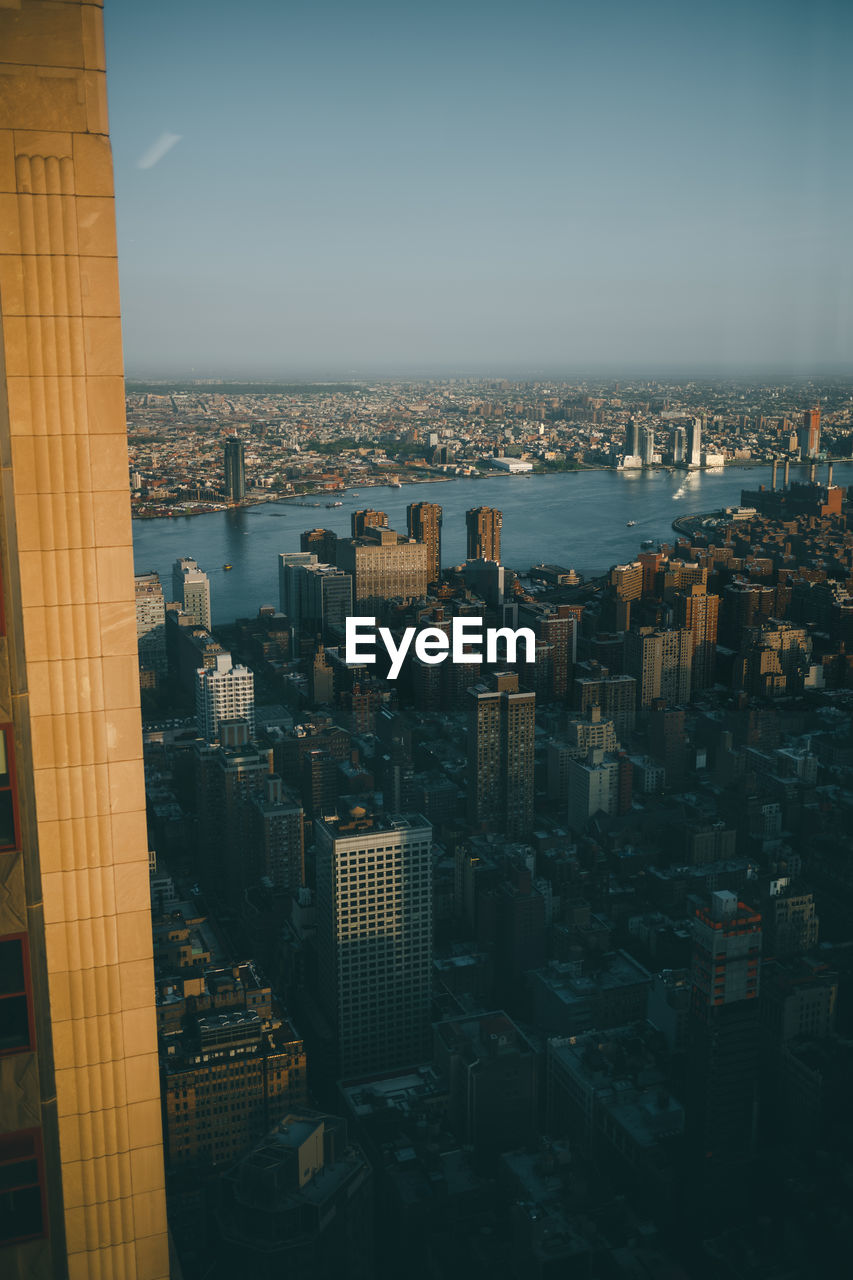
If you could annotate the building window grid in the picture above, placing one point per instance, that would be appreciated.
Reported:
(17, 1034)
(9, 822)
(23, 1210)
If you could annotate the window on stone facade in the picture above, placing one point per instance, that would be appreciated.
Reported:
(22, 1209)
(16, 1023)
(8, 799)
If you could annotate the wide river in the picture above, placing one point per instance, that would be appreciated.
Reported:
(578, 519)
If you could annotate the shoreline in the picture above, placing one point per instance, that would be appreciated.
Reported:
(297, 499)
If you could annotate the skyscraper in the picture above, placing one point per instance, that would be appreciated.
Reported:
(224, 691)
(367, 519)
(229, 776)
(501, 730)
(809, 433)
(322, 542)
(724, 1027)
(191, 587)
(235, 469)
(80, 1127)
(374, 936)
(484, 533)
(698, 610)
(151, 623)
(694, 443)
(660, 662)
(424, 523)
(279, 838)
(318, 596)
(383, 565)
(647, 445)
(287, 581)
(678, 445)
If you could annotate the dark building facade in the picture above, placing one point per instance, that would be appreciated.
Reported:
(424, 524)
(484, 533)
(235, 469)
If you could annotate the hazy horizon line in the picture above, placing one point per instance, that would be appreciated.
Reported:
(612, 373)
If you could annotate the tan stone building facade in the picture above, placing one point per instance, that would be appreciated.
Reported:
(80, 1124)
(384, 565)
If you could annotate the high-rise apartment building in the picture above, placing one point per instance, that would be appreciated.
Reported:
(367, 519)
(593, 787)
(322, 542)
(82, 1190)
(647, 445)
(615, 695)
(374, 938)
(384, 565)
(773, 659)
(229, 777)
(697, 610)
(808, 435)
(287, 582)
(661, 663)
(151, 623)
(501, 731)
(723, 1041)
(316, 597)
(678, 445)
(632, 438)
(484, 533)
(424, 524)
(235, 469)
(278, 836)
(678, 575)
(554, 627)
(224, 691)
(694, 443)
(191, 588)
(627, 580)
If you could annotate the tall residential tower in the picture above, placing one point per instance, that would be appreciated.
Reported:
(191, 587)
(484, 533)
(424, 522)
(501, 731)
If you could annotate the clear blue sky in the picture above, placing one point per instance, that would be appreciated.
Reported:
(371, 188)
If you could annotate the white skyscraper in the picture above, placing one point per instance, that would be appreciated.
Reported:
(223, 692)
(374, 924)
(694, 443)
(191, 587)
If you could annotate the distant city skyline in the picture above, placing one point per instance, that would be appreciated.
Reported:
(381, 191)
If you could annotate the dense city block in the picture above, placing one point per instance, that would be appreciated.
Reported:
(527, 968)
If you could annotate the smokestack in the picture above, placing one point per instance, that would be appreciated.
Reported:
(787, 472)
(812, 472)
(773, 477)
(829, 477)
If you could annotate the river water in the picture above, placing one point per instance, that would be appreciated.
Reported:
(577, 519)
